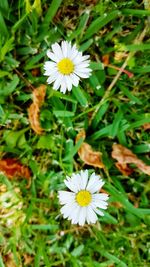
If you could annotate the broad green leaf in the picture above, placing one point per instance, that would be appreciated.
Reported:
(15, 138)
(7, 47)
(78, 93)
(63, 113)
(8, 89)
(46, 142)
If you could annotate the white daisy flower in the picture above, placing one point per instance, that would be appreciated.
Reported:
(66, 67)
(84, 202)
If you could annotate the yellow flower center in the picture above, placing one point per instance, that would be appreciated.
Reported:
(83, 198)
(65, 66)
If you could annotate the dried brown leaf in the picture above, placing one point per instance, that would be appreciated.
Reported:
(12, 168)
(146, 126)
(9, 261)
(27, 259)
(87, 154)
(125, 156)
(34, 109)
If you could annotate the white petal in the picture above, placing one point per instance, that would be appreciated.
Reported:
(74, 52)
(68, 44)
(99, 212)
(75, 214)
(80, 58)
(95, 183)
(64, 48)
(66, 210)
(82, 216)
(52, 78)
(85, 64)
(100, 196)
(76, 178)
(51, 72)
(57, 51)
(66, 197)
(52, 56)
(81, 74)
(49, 65)
(83, 70)
(58, 81)
(68, 82)
(102, 205)
(83, 179)
(75, 79)
(91, 216)
(71, 184)
(63, 88)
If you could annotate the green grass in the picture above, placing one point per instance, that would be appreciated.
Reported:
(108, 111)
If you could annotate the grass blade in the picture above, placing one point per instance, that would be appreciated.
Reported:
(98, 23)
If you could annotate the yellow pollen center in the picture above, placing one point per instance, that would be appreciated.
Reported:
(83, 198)
(65, 66)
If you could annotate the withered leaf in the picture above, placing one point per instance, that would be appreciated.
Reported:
(34, 109)
(87, 154)
(27, 259)
(146, 126)
(12, 168)
(9, 261)
(125, 156)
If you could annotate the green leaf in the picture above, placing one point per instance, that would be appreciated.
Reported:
(107, 218)
(137, 47)
(3, 73)
(15, 138)
(77, 251)
(122, 198)
(96, 66)
(1, 262)
(10, 87)
(44, 227)
(31, 63)
(46, 142)
(136, 12)
(82, 24)
(55, 4)
(3, 31)
(84, 46)
(100, 113)
(139, 149)
(63, 113)
(116, 123)
(78, 93)
(7, 47)
(98, 23)
(129, 94)
(18, 24)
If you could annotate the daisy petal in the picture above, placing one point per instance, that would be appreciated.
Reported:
(82, 74)
(64, 48)
(64, 196)
(63, 88)
(69, 63)
(91, 215)
(82, 216)
(68, 82)
(57, 82)
(75, 79)
(99, 197)
(83, 204)
(57, 50)
(52, 56)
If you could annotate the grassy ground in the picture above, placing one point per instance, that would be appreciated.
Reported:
(111, 109)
